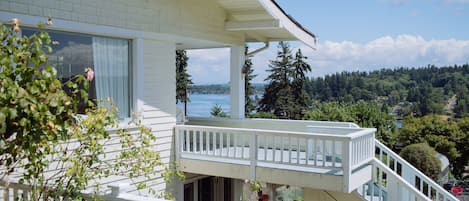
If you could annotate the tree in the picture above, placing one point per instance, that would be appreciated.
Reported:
(424, 158)
(249, 105)
(284, 96)
(301, 98)
(444, 136)
(183, 79)
(40, 130)
(217, 111)
(362, 113)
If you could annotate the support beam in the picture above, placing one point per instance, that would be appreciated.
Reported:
(237, 82)
(252, 25)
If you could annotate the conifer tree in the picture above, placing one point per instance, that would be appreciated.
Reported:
(183, 79)
(301, 98)
(285, 94)
(249, 105)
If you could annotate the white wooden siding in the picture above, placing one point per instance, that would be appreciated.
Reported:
(201, 19)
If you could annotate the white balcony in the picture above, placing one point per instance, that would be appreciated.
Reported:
(321, 155)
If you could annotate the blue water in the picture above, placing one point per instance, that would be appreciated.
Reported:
(201, 104)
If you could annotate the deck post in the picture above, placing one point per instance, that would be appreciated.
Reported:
(347, 164)
(253, 155)
(237, 81)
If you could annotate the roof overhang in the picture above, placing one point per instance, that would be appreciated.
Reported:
(264, 21)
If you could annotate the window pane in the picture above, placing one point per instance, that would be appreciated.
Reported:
(108, 57)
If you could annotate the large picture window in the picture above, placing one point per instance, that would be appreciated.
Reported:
(108, 57)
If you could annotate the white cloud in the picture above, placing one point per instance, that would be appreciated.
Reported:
(386, 52)
(212, 66)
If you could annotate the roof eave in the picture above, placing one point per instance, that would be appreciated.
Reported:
(289, 23)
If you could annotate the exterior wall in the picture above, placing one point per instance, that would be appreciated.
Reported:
(159, 97)
(201, 19)
(154, 27)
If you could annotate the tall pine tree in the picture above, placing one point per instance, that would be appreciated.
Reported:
(301, 98)
(183, 79)
(285, 94)
(249, 105)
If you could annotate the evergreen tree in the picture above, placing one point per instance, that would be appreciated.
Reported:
(217, 111)
(301, 98)
(277, 93)
(249, 105)
(183, 79)
(285, 94)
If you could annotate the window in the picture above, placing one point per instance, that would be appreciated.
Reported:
(108, 57)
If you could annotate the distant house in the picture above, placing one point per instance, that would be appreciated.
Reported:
(131, 45)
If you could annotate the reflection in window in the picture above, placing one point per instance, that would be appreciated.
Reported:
(108, 57)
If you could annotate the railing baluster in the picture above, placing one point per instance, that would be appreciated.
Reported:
(265, 147)
(228, 144)
(187, 142)
(315, 151)
(274, 148)
(222, 144)
(214, 141)
(380, 183)
(201, 140)
(307, 151)
(289, 149)
(194, 146)
(242, 146)
(333, 153)
(207, 140)
(298, 151)
(235, 145)
(323, 153)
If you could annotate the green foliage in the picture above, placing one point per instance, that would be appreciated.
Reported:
(444, 136)
(424, 158)
(183, 79)
(362, 113)
(217, 111)
(250, 104)
(426, 89)
(263, 115)
(40, 130)
(285, 94)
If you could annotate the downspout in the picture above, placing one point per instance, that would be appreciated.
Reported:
(266, 45)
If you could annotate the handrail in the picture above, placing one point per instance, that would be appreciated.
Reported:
(414, 173)
(413, 192)
(344, 152)
(356, 134)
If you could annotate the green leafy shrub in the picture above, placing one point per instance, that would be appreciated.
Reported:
(56, 151)
(424, 158)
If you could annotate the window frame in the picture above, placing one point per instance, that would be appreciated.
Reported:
(130, 70)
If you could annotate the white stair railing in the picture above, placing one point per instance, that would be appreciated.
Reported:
(396, 169)
(387, 185)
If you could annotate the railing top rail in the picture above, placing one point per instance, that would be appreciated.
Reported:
(428, 180)
(403, 181)
(322, 123)
(280, 133)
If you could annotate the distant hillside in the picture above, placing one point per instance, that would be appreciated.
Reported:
(417, 91)
(221, 89)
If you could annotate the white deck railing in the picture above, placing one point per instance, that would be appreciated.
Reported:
(387, 185)
(12, 191)
(413, 176)
(346, 150)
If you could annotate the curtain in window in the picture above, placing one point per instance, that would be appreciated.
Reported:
(111, 66)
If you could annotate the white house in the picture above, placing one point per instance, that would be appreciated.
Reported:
(132, 44)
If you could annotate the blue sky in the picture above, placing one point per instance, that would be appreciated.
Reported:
(361, 35)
